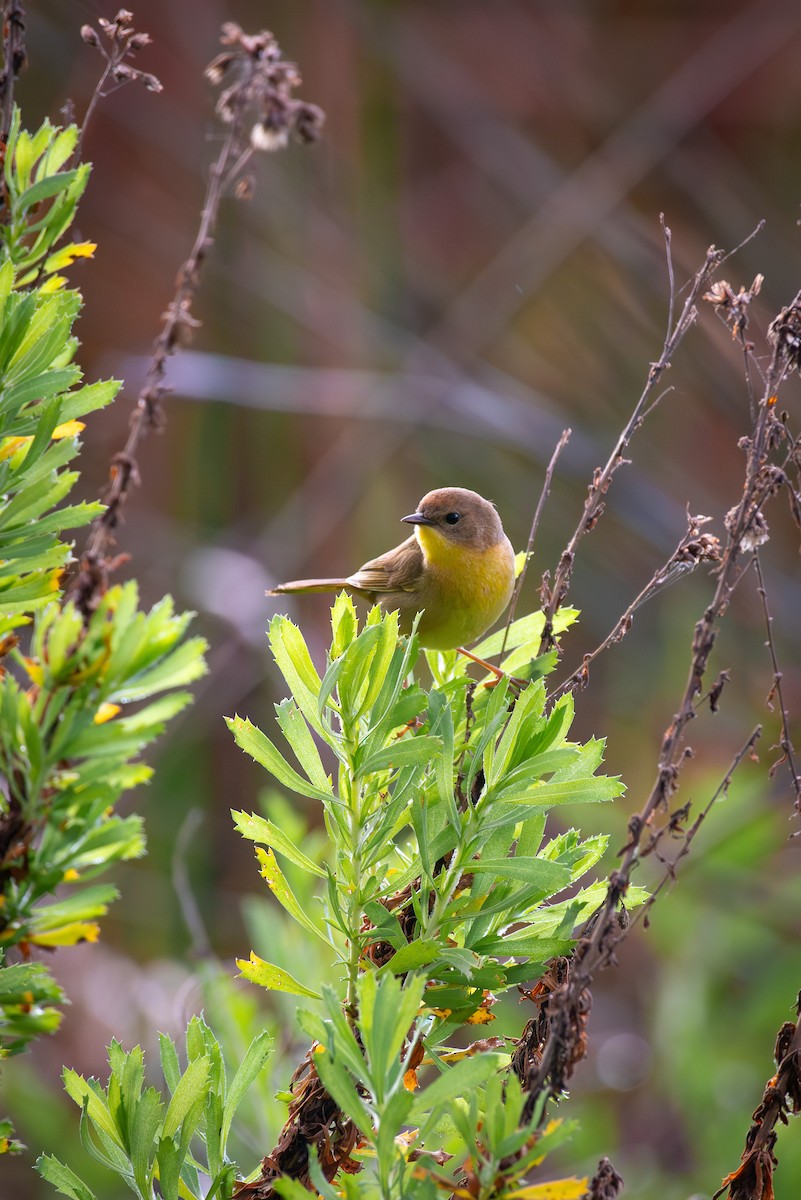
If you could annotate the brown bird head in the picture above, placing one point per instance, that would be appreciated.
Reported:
(461, 516)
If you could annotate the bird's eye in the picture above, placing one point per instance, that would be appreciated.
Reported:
(452, 518)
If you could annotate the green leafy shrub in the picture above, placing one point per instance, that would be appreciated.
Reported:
(438, 892)
(77, 690)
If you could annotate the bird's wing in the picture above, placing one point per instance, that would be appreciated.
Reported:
(398, 570)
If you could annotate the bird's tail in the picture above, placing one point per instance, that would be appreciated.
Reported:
(312, 585)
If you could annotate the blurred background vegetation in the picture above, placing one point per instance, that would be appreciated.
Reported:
(469, 260)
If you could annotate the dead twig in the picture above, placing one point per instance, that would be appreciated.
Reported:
(14, 59)
(261, 113)
(674, 827)
(553, 596)
(535, 524)
(693, 549)
(746, 529)
(753, 1179)
(785, 744)
(117, 41)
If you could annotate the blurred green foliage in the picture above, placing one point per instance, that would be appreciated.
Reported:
(65, 758)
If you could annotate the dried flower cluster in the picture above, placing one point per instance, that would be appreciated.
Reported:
(733, 306)
(262, 86)
(785, 334)
(123, 42)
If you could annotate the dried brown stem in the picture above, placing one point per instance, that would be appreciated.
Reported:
(535, 524)
(260, 113)
(117, 42)
(745, 528)
(693, 549)
(674, 827)
(785, 744)
(554, 596)
(753, 1179)
(14, 59)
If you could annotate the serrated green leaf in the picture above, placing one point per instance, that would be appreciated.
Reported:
(275, 979)
(251, 739)
(274, 878)
(259, 829)
(62, 1178)
(549, 876)
(247, 1072)
(190, 1090)
(408, 751)
(296, 731)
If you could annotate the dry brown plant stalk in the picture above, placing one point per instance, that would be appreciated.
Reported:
(557, 1043)
(260, 114)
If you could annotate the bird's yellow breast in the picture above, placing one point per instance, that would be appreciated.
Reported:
(465, 589)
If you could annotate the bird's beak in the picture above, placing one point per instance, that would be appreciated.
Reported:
(417, 518)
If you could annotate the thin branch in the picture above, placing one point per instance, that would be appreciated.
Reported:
(261, 113)
(673, 826)
(124, 42)
(753, 1179)
(14, 59)
(565, 1037)
(535, 524)
(693, 549)
(553, 597)
(776, 690)
(668, 236)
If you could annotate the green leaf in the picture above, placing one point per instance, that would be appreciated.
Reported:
(45, 188)
(88, 399)
(62, 1178)
(249, 1068)
(576, 791)
(294, 661)
(454, 1083)
(283, 893)
(549, 876)
(524, 944)
(413, 955)
(192, 1087)
(275, 979)
(259, 747)
(296, 731)
(170, 1067)
(408, 751)
(144, 1123)
(259, 829)
(95, 1106)
(339, 1083)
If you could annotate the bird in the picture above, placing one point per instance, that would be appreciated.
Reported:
(457, 569)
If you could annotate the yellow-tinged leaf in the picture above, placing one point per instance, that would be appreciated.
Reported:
(54, 284)
(68, 429)
(34, 670)
(70, 875)
(275, 978)
(66, 256)
(480, 1017)
(106, 712)
(67, 935)
(410, 1080)
(10, 445)
(555, 1189)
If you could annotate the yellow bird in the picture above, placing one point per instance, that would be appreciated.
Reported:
(457, 568)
